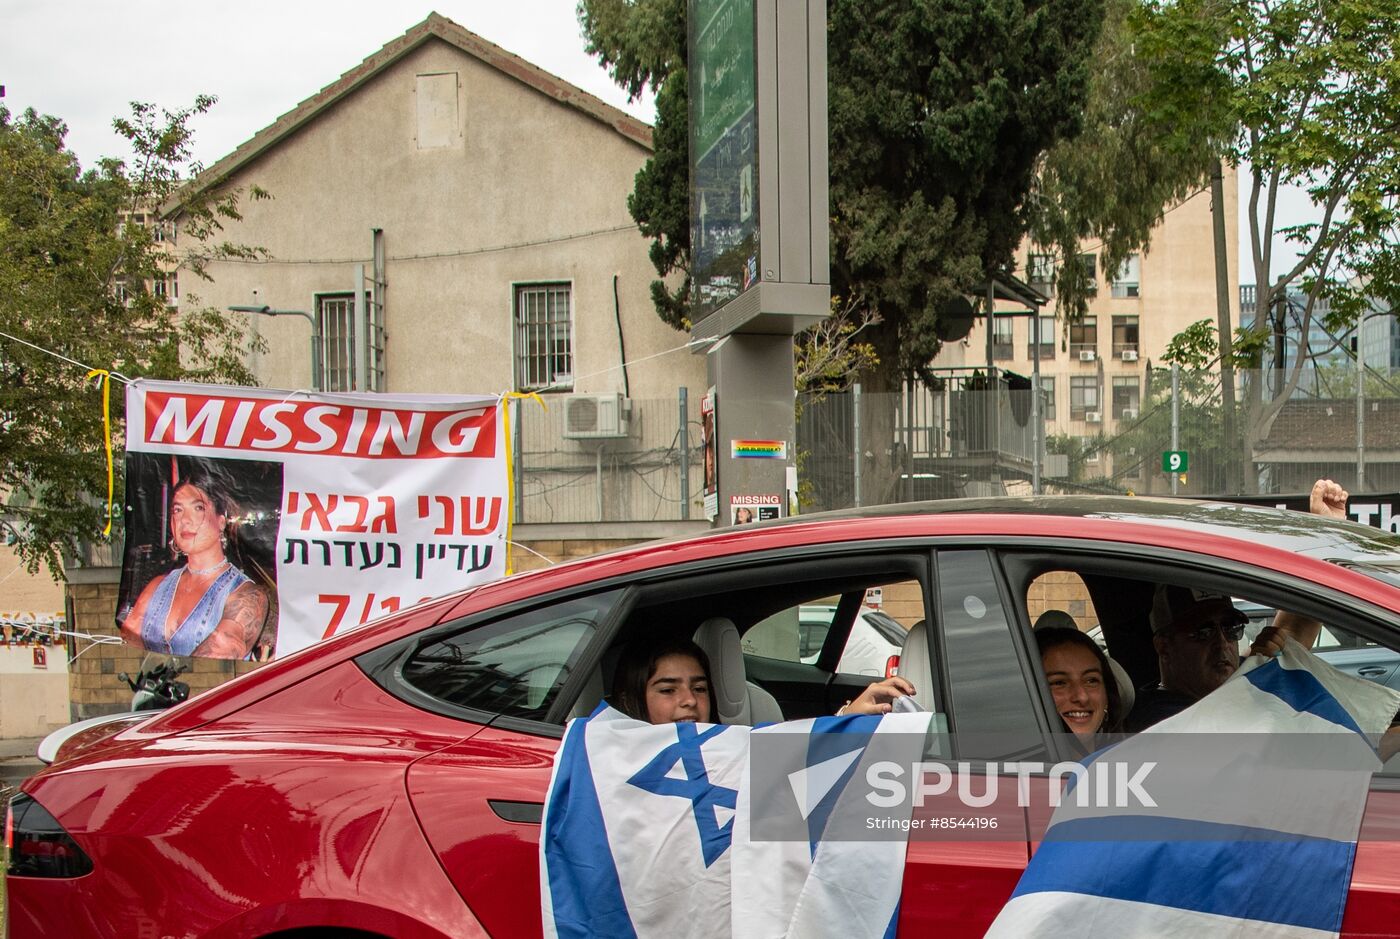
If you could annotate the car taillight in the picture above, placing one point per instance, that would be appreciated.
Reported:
(37, 845)
(892, 666)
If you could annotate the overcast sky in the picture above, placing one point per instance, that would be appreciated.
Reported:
(85, 60)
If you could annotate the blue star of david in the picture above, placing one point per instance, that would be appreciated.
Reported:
(704, 795)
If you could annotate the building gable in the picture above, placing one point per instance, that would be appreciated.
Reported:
(434, 28)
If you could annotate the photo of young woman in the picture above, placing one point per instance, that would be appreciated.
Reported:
(211, 594)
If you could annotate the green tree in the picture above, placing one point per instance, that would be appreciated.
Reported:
(1308, 98)
(1196, 353)
(939, 112)
(82, 278)
(643, 45)
(1106, 188)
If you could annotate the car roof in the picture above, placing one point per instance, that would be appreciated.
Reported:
(1140, 520)
(1289, 530)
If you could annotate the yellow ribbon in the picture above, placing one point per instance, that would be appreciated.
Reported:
(106, 377)
(510, 473)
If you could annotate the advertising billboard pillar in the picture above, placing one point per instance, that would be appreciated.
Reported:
(760, 243)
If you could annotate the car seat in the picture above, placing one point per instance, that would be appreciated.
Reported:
(740, 700)
(916, 665)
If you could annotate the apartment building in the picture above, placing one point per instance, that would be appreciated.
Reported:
(1093, 370)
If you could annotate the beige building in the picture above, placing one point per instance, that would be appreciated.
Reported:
(487, 198)
(1093, 372)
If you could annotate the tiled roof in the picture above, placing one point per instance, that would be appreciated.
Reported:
(1330, 424)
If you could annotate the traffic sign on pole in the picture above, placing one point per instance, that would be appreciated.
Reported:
(1174, 461)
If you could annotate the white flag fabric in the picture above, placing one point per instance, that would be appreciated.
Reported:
(647, 833)
(834, 886)
(1259, 792)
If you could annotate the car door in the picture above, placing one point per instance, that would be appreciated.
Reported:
(957, 877)
(479, 802)
(1373, 903)
(842, 645)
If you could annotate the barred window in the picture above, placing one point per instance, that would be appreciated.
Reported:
(335, 322)
(544, 341)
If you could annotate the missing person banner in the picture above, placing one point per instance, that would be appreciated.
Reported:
(259, 522)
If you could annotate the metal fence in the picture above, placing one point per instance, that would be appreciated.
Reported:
(972, 437)
(968, 438)
(641, 462)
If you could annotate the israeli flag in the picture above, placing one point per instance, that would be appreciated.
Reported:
(831, 881)
(637, 826)
(1254, 802)
(648, 831)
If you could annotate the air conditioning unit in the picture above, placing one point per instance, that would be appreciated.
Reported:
(1093, 417)
(1129, 355)
(1086, 355)
(1130, 414)
(596, 417)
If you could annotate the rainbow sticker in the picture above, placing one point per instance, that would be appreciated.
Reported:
(758, 449)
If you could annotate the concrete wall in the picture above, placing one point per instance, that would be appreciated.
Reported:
(21, 590)
(33, 700)
(526, 189)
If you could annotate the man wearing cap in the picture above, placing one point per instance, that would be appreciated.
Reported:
(1197, 633)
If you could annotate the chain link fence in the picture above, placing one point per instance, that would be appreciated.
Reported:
(974, 436)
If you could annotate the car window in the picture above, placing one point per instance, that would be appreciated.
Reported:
(798, 634)
(1055, 592)
(513, 666)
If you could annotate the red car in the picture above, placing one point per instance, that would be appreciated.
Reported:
(389, 782)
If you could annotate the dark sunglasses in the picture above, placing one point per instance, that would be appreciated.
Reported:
(1232, 630)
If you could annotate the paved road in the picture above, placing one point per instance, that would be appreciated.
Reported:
(17, 763)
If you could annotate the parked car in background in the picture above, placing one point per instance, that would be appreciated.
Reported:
(1343, 650)
(874, 639)
(389, 782)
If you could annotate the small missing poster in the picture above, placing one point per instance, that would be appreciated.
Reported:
(709, 443)
(745, 509)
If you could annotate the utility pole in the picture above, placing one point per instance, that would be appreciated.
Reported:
(1176, 417)
(1360, 408)
(1233, 478)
